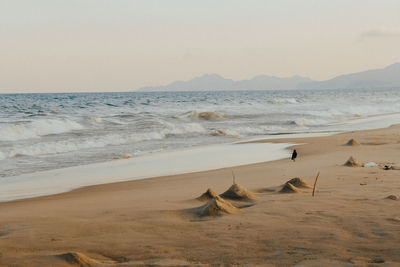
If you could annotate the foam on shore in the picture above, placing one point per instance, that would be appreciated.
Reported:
(155, 165)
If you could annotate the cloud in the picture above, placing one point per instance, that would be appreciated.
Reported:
(380, 33)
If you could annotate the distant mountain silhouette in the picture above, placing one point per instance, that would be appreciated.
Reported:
(379, 78)
(212, 82)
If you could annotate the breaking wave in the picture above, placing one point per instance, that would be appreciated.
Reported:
(206, 115)
(309, 122)
(75, 129)
(279, 100)
(240, 131)
(70, 145)
(36, 129)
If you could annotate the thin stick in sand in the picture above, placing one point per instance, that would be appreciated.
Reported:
(233, 176)
(315, 184)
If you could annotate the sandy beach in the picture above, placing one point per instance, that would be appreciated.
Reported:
(160, 222)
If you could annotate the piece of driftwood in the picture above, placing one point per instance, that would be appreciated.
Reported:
(315, 184)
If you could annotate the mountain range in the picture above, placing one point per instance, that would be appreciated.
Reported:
(377, 78)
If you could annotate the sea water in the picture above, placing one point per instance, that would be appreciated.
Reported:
(41, 132)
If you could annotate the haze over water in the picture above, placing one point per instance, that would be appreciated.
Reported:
(48, 131)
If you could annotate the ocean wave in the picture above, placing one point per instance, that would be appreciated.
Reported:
(2, 156)
(249, 130)
(36, 129)
(64, 146)
(229, 133)
(280, 100)
(205, 115)
(183, 128)
(309, 122)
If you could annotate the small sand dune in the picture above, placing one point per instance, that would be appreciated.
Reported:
(289, 188)
(352, 162)
(299, 183)
(208, 195)
(79, 259)
(352, 142)
(238, 192)
(216, 207)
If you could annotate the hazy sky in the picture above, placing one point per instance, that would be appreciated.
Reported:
(120, 45)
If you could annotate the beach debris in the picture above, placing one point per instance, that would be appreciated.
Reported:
(352, 162)
(369, 164)
(391, 167)
(216, 207)
(393, 197)
(127, 156)
(387, 167)
(394, 219)
(363, 183)
(315, 184)
(208, 195)
(238, 192)
(297, 182)
(289, 188)
(352, 142)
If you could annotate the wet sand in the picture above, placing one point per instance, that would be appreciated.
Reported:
(155, 222)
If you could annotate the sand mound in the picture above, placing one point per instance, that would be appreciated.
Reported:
(217, 206)
(352, 162)
(352, 142)
(79, 259)
(393, 197)
(206, 196)
(299, 183)
(238, 192)
(289, 188)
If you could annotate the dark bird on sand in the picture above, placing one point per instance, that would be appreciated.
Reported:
(294, 155)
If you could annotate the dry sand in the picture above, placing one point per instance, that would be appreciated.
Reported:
(142, 223)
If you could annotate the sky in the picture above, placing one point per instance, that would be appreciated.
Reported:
(122, 45)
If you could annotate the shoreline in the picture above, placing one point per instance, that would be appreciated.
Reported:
(187, 161)
(14, 188)
(152, 221)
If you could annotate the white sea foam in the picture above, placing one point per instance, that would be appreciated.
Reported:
(63, 146)
(280, 100)
(2, 156)
(183, 128)
(36, 129)
(254, 130)
(310, 122)
(95, 119)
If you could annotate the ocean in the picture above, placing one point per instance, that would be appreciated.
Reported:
(41, 132)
